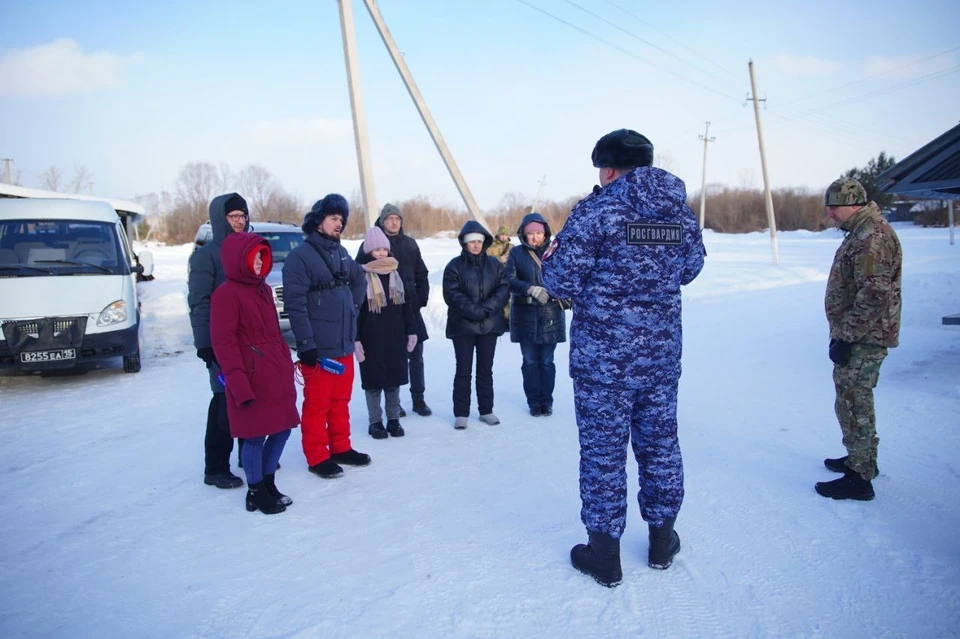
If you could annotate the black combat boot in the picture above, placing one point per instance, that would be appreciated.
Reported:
(420, 407)
(328, 469)
(377, 431)
(259, 498)
(394, 428)
(850, 486)
(599, 558)
(223, 480)
(270, 483)
(839, 465)
(351, 458)
(664, 544)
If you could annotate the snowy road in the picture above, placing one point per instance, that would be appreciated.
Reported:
(108, 530)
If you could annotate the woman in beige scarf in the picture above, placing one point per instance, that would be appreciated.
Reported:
(386, 332)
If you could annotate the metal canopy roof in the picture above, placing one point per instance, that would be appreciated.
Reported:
(933, 171)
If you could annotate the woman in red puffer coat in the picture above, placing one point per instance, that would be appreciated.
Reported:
(256, 365)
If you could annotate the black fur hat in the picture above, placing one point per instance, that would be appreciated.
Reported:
(622, 149)
(333, 204)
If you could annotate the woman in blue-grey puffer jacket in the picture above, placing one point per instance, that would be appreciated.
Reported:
(537, 319)
(475, 290)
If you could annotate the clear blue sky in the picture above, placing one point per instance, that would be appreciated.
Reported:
(135, 92)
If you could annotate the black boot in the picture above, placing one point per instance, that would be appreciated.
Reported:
(259, 498)
(420, 407)
(839, 465)
(377, 431)
(850, 486)
(599, 558)
(394, 428)
(664, 544)
(223, 480)
(270, 483)
(403, 413)
(328, 469)
(351, 458)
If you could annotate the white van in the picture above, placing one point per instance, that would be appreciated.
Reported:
(68, 291)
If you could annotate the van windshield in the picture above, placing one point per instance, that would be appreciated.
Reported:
(281, 243)
(30, 248)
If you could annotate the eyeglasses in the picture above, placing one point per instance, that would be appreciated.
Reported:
(237, 217)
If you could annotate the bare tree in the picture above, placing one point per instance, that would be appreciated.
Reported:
(226, 178)
(257, 186)
(82, 179)
(284, 207)
(51, 179)
(665, 161)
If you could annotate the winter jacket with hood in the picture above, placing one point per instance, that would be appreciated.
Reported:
(475, 289)
(384, 338)
(206, 274)
(245, 331)
(531, 321)
(621, 257)
(323, 304)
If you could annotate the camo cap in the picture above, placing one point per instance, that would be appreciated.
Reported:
(845, 192)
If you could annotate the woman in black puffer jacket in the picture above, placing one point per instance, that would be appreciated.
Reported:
(537, 320)
(475, 290)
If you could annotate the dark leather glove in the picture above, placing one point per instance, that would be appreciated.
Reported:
(308, 358)
(206, 354)
(840, 352)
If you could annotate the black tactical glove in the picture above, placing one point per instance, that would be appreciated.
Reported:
(308, 358)
(840, 352)
(206, 354)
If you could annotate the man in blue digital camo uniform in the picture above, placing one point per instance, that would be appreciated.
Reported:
(622, 257)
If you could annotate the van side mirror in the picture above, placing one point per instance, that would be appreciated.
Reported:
(145, 266)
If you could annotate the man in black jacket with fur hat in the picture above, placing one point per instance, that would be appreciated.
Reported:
(323, 288)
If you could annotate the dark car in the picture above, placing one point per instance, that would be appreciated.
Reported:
(283, 238)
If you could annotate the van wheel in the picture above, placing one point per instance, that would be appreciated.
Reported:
(131, 363)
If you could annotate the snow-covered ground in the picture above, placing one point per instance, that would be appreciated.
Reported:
(108, 530)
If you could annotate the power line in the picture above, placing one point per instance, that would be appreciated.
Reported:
(635, 36)
(663, 33)
(891, 89)
(624, 51)
(875, 75)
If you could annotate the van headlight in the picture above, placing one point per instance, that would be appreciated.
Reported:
(116, 313)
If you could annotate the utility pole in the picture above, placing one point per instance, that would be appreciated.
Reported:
(424, 111)
(356, 108)
(703, 191)
(950, 219)
(768, 198)
(6, 169)
(536, 200)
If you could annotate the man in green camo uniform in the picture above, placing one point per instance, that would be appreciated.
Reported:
(863, 311)
(500, 249)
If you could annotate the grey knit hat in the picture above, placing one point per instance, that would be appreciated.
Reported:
(388, 210)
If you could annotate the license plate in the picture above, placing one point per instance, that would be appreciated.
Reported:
(48, 356)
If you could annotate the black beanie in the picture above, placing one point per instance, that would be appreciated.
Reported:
(622, 149)
(332, 204)
(235, 203)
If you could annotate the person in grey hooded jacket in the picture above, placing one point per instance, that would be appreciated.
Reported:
(228, 214)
